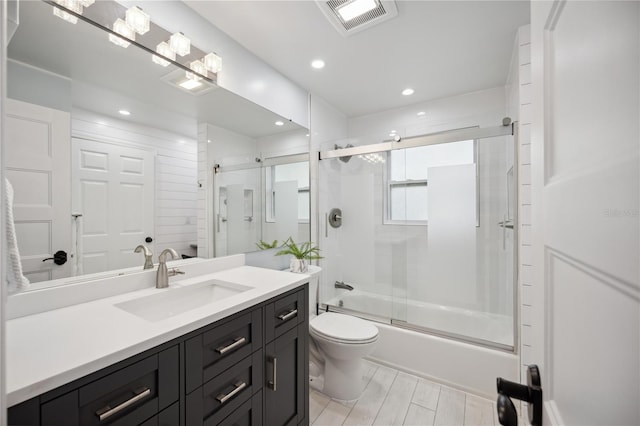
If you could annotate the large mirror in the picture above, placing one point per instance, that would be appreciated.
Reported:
(95, 182)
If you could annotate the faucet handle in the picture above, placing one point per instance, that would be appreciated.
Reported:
(174, 271)
(163, 256)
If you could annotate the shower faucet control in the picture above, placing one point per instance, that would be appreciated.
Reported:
(335, 218)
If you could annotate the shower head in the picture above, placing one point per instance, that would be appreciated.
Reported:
(346, 158)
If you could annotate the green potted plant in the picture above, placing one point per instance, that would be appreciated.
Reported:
(263, 245)
(301, 254)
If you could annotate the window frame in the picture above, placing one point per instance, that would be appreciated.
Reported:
(389, 184)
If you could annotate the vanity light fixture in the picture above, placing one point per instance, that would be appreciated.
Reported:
(198, 67)
(279, 123)
(180, 44)
(164, 50)
(125, 31)
(87, 3)
(212, 62)
(408, 91)
(138, 20)
(355, 8)
(73, 5)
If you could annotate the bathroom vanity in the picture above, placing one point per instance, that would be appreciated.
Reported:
(239, 359)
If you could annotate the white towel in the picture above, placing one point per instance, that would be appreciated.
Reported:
(15, 279)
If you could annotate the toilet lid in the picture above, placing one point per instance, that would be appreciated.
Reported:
(343, 327)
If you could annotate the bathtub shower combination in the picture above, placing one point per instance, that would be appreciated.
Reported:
(424, 236)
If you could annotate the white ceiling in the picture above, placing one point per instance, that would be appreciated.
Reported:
(438, 48)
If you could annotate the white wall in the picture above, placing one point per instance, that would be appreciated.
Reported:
(519, 92)
(327, 125)
(3, 289)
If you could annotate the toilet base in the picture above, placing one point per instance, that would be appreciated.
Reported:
(343, 379)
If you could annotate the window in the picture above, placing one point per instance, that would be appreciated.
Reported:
(407, 180)
(296, 173)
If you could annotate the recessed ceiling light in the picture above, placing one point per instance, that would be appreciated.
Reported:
(421, 113)
(408, 91)
(208, 140)
(124, 112)
(279, 123)
(317, 63)
(355, 8)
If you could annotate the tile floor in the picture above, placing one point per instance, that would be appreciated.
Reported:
(392, 397)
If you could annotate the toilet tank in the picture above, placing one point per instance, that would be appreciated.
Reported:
(314, 272)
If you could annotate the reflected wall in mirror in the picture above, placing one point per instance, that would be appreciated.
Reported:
(95, 183)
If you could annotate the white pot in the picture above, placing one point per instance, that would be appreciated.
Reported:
(298, 265)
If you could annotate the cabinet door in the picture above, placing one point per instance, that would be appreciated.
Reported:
(285, 378)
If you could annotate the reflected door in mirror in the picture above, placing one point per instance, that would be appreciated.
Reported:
(114, 192)
(37, 165)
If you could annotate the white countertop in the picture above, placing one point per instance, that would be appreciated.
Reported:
(49, 349)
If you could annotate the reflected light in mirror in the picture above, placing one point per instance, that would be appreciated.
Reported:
(124, 30)
(164, 50)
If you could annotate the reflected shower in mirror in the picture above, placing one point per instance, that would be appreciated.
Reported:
(103, 150)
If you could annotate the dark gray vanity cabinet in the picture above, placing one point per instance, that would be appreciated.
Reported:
(287, 363)
(250, 368)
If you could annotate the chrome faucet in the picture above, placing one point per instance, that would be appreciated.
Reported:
(162, 278)
(148, 255)
(342, 284)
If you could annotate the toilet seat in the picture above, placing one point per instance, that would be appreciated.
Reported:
(344, 329)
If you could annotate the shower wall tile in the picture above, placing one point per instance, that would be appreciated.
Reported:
(525, 153)
(525, 74)
(526, 315)
(525, 133)
(526, 274)
(525, 54)
(525, 235)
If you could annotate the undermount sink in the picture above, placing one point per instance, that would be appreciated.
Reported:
(177, 300)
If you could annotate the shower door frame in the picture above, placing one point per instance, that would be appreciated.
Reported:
(475, 133)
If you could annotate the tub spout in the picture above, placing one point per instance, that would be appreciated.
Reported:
(342, 284)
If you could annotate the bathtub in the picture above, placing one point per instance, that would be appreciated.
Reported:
(468, 366)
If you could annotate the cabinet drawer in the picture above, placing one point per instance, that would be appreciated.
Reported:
(168, 417)
(127, 396)
(218, 398)
(285, 314)
(248, 414)
(216, 350)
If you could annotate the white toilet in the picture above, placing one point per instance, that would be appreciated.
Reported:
(337, 345)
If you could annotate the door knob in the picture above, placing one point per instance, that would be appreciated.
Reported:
(59, 257)
(531, 393)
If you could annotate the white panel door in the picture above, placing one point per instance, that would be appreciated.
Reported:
(37, 164)
(114, 193)
(586, 75)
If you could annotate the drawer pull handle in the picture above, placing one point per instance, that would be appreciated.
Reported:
(224, 398)
(106, 412)
(288, 315)
(239, 341)
(273, 384)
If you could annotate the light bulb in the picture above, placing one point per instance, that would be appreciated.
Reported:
(164, 50)
(198, 67)
(180, 44)
(137, 20)
(124, 30)
(213, 62)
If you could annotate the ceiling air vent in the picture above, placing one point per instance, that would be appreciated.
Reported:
(344, 15)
